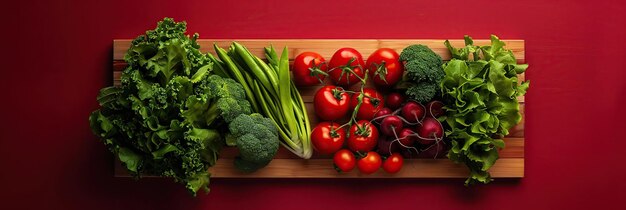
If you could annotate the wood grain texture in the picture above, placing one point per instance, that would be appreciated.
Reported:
(288, 165)
(322, 168)
(514, 149)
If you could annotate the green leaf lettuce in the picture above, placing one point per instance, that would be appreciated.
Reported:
(480, 90)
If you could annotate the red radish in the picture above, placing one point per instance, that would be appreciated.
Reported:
(395, 100)
(381, 114)
(413, 112)
(437, 150)
(425, 141)
(386, 146)
(407, 137)
(430, 129)
(407, 153)
(391, 125)
(435, 108)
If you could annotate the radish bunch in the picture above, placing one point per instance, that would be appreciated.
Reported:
(412, 128)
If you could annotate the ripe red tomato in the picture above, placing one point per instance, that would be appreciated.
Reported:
(393, 163)
(363, 136)
(385, 67)
(372, 103)
(343, 60)
(331, 103)
(327, 138)
(370, 163)
(309, 68)
(344, 160)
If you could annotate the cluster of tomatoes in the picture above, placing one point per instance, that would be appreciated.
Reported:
(362, 135)
(380, 137)
(373, 122)
(334, 103)
(347, 68)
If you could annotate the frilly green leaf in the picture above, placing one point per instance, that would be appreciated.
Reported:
(166, 117)
(480, 89)
(129, 158)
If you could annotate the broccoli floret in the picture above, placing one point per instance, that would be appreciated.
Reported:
(424, 72)
(257, 140)
(228, 99)
(420, 52)
(226, 88)
(242, 125)
(422, 92)
(230, 108)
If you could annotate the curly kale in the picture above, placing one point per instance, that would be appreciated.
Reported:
(166, 117)
(257, 140)
(424, 72)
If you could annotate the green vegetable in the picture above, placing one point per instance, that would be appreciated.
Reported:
(257, 140)
(271, 92)
(480, 90)
(167, 116)
(424, 73)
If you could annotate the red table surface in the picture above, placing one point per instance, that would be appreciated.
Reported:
(57, 56)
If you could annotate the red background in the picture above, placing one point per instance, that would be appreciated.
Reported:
(61, 56)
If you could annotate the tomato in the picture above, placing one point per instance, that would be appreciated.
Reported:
(344, 60)
(344, 160)
(327, 137)
(309, 68)
(372, 103)
(331, 103)
(385, 67)
(370, 163)
(393, 163)
(363, 136)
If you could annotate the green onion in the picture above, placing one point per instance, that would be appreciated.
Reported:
(271, 93)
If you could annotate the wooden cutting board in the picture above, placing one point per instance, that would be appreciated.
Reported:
(287, 165)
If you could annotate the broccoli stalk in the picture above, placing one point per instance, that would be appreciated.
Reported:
(424, 72)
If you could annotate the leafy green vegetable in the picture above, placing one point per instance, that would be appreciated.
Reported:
(423, 67)
(257, 140)
(480, 90)
(166, 117)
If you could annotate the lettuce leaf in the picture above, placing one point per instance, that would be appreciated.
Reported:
(480, 89)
